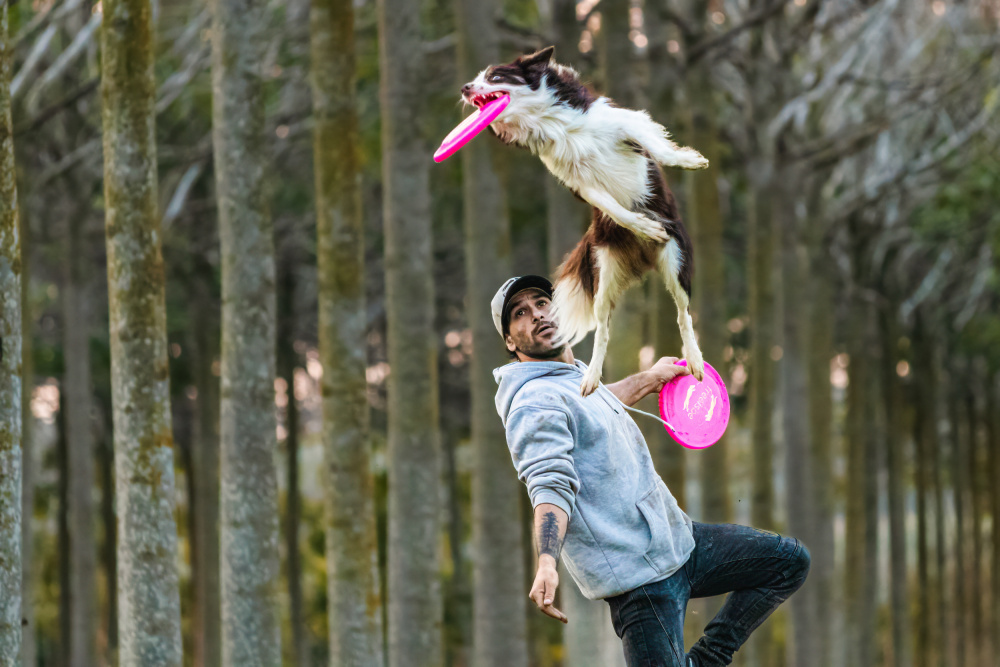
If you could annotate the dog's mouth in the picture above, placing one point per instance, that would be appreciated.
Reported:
(482, 100)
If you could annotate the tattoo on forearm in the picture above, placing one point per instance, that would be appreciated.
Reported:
(548, 536)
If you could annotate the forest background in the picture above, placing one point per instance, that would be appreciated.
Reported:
(320, 473)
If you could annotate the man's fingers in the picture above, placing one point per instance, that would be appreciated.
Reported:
(555, 613)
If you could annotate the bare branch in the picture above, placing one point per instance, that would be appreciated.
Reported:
(51, 111)
(34, 56)
(701, 48)
(65, 58)
(181, 193)
(440, 44)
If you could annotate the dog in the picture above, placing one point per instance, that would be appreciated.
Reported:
(609, 157)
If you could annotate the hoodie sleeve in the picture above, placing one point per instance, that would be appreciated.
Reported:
(541, 447)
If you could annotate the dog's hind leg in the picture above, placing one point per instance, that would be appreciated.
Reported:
(611, 283)
(671, 259)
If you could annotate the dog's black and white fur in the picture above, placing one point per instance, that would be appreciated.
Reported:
(609, 157)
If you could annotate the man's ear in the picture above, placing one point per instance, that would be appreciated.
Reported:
(538, 57)
(509, 342)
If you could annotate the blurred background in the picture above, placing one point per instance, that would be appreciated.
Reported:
(846, 238)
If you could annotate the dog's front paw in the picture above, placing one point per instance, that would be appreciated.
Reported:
(650, 229)
(689, 158)
(697, 368)
(590, 381)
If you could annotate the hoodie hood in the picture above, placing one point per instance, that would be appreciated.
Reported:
(514, 375)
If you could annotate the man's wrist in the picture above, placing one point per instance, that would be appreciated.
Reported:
(648, 382)
(546, 561)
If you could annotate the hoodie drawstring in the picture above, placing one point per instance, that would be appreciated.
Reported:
(641, 412)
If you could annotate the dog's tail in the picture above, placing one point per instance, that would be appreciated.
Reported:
(573, 298)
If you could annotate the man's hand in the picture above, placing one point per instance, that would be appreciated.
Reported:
(665, 370)
(543, 591)
(636, 387)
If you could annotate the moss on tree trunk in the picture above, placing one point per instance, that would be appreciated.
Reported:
(148, 596)
(354, 599)
(10, 371)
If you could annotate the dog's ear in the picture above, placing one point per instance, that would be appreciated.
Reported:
(538, 57)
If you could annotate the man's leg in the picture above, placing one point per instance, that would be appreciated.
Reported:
(762, 569)
(650, 622)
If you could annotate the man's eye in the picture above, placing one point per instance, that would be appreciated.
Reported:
(518, 313)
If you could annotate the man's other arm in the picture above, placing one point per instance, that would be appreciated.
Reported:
(550, 531)
(541, 445)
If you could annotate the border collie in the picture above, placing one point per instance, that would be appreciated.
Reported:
(609, 157)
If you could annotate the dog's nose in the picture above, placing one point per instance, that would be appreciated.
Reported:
(466, 88)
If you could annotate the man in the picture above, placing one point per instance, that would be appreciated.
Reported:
(598, 501)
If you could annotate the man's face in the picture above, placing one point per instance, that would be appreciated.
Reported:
(531, 329)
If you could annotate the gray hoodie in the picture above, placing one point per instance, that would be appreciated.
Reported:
(587, 456)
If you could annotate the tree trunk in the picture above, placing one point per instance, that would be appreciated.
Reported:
(11, 373)
(668, 456)
(109, 556)
(204, 347)
(249, 490)
(895, 465)
(763, 382)
(925, 442)
(993, 444)
(148, 596)
(938, 463)
(862, 465)
(413, 456)
(975, 608)
(959, 485)
(500, 626)
(709, 290)
(80, 452)
(29, 579)
(566, 214)
(286, 360)
(819, 348)
(795, 409)
(353, 589)
(62, 537)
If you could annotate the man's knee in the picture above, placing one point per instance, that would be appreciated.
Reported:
(798, 563)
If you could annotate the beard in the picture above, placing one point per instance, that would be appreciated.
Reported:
(538, 349)
(543, 353)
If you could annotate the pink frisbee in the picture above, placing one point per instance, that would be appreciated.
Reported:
(697, 412)
(470, 127)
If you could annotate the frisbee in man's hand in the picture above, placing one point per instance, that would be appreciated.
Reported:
(697, 412)
(470, 127)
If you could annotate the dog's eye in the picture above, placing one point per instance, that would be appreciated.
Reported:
(496, 77)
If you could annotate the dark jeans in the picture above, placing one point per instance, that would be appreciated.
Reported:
(762, 569)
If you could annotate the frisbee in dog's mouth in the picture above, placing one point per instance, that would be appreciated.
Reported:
(475, 123)
(482, 100)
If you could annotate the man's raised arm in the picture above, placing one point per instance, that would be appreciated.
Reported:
(635, 387)
(550, 531)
